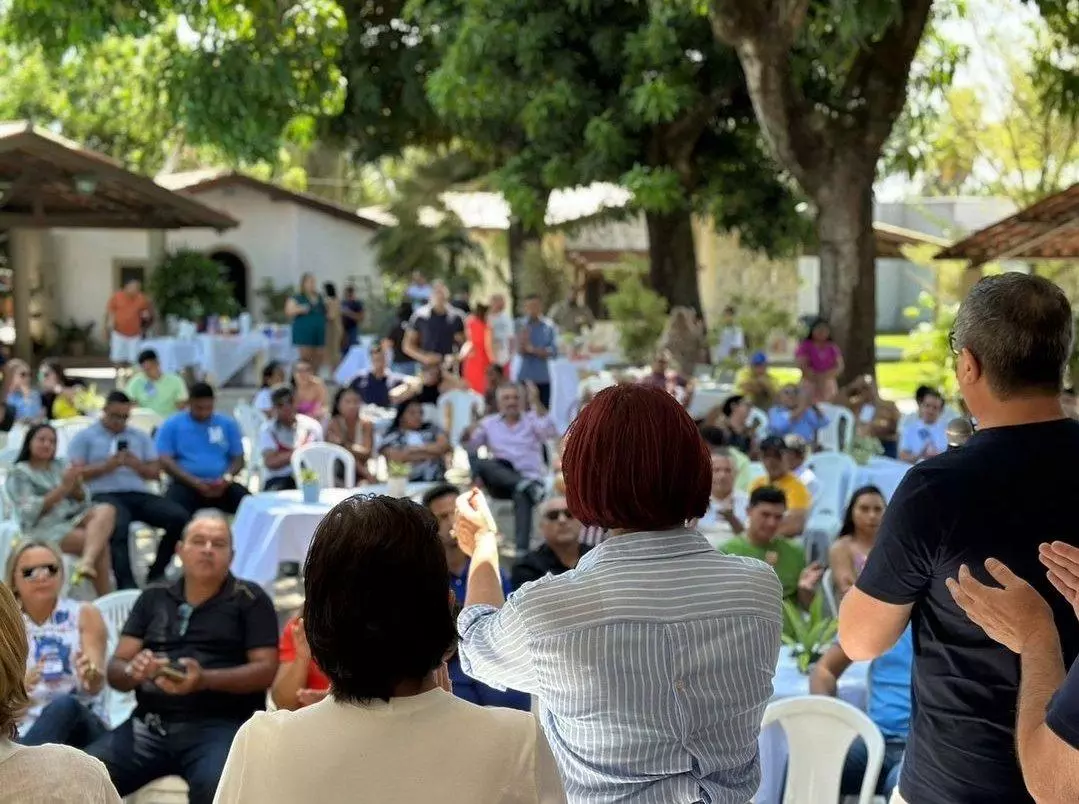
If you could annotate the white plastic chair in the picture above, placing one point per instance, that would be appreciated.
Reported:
(146, 420)
(836, 473)
(827, 587)
(431, 414)
(459, 408)
(115, 608)
(819, 732)
(322, 459)
(250, 421)
(838, 434)
(67, 429)
(752, 471)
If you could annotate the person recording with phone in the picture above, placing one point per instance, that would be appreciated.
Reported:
(116, 462)
(927, 435)
(199, 654)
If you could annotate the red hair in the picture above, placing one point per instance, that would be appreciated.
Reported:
(634, 459)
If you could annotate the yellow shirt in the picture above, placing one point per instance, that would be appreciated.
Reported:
(63, 409)
(797, 494)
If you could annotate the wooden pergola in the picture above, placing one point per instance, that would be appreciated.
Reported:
(1047, 230)
(49, 182)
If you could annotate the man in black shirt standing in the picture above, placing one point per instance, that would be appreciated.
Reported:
(436, 330)
(200, 655)
(1011, 487)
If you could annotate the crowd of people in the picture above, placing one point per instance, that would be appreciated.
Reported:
(644, 654)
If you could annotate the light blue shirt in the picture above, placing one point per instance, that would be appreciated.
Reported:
(781, 423)
(653, 662)
(202, 449)
(889, 689)
(26, 404)
(542, 334)
(96, 444)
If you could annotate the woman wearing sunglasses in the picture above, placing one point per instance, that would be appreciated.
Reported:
(65, 667)
(19, 395)
(54, 507)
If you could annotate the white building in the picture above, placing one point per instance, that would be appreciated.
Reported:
(281, 234)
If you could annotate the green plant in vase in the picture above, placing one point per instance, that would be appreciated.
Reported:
(808, 634)
(308, 477)
(397, 469)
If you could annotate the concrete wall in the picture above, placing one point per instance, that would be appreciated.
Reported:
(278, 240)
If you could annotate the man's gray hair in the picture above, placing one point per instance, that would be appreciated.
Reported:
(1019, 328)
(204, 514)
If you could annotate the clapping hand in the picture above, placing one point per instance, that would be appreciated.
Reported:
(1062, 561)
(533, 395)
(89, 675)
(33, 676)
(144, 666)
(190, 683)
(810, 577)
(473, 520)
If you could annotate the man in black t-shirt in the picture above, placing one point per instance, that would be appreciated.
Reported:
(1011, 487)
(199, 655)
(436, 330)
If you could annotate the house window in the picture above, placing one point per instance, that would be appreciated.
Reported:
(123, 271)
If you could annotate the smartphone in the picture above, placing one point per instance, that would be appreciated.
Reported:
(174, 670)
(329, 290)
(121, 445)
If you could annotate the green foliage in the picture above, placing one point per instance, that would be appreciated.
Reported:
(189, 285)
(272, 299)
(760, 319)
(640, 314)
(544, 273)
(930, 342)
(808, 634)
(72, 337)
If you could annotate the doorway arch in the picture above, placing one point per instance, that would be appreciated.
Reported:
(234, 269)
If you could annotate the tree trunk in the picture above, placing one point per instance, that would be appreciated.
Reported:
(848, 277)
(517, 240)
(672, 258)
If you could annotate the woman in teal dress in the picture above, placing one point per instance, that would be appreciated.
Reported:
(53, 506)
(307, 309)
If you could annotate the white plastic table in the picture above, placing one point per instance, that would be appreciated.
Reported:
(277, 526)
(788, 683)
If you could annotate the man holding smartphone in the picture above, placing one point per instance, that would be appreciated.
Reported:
(199, 655)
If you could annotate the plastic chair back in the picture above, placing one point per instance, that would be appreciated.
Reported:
(827, 587)
(836, 473)
(751, 472)
(322, 459)
(838, 434)
(819, 732)
(760, 418)
(115, 608)
(146, 420)
(67, 429)
(459, 408)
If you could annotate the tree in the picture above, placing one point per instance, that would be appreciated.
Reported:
(828, 80)
(567, 93)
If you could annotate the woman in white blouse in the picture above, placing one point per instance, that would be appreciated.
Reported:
(378, 619)
(47, 772)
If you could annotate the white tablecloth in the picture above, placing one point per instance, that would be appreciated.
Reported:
(884, 473)
(277, 526)
(216, 357)
(789, 683)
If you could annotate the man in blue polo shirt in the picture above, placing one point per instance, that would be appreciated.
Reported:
(201, 451)
(377, 386)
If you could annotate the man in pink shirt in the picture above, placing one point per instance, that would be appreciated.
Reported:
(516, 467)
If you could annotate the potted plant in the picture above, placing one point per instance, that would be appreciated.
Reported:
(191, 286)
(73, 339)
(398, 482)
(807, 634)
(309, 485)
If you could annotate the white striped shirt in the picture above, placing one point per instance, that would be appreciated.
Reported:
(653, 661)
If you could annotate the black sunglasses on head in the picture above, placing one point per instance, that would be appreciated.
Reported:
(32, 572)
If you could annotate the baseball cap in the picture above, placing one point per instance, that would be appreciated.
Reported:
(758, 359)
(772, 444)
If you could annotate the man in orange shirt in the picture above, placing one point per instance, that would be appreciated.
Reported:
(123, 321)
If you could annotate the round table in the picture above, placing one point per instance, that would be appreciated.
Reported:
(789, 683)
(277, 526)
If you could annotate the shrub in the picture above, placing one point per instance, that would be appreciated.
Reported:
(640, 315)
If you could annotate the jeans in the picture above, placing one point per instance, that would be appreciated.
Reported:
(155, 511)
(191, 501)
(137, 753)
(857, 758)
(65, 721)
(505, 483)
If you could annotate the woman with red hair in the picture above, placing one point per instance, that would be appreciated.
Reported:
(653, 658)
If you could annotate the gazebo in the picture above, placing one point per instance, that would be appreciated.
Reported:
(1046, 230)
(49, 182)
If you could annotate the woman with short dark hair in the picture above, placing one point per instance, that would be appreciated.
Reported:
(653, 658)
(378, 619)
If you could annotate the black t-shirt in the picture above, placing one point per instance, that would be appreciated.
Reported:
(539, 563)
(1008, 490)
(1063, 714)
(219, 632)
(438, 331)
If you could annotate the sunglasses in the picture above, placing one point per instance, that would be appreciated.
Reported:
(40, 571)
(554, 516)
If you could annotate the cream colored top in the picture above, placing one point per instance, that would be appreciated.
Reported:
(52, 774)
(428, 747)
